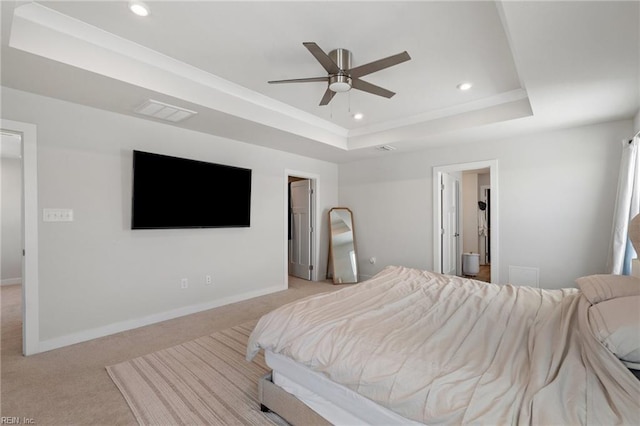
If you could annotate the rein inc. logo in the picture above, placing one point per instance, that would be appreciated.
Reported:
(5, 420)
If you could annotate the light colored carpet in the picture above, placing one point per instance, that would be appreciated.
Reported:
(70, 386)
(205, 381)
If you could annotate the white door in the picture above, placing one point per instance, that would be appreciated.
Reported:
(300, 253)
(449, 232)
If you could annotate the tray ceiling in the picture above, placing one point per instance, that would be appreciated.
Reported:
(531, 65)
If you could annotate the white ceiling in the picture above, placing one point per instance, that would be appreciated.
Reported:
(534, 66)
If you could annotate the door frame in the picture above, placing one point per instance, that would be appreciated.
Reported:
(315, 241)
(30, 283)
(301, 191)
(492, 165)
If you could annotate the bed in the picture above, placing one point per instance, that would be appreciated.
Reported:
(415, 347)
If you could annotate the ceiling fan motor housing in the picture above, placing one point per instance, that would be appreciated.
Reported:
(340, 82)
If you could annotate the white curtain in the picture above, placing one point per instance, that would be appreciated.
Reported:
(626, 208)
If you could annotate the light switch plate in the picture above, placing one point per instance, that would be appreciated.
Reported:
(57, 215)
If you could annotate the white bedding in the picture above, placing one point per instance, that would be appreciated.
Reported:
(441, 349)
(336, 403)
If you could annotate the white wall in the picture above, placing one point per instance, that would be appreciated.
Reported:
(636, 122)
(11, 214)
(96, 274)
(556, 196)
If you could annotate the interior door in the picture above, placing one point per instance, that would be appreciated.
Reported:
(300, 250)
(450, 187)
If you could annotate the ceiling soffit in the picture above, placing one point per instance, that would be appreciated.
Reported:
(45, 32)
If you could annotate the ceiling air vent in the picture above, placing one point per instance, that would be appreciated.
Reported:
(386, 148)
(163, 111)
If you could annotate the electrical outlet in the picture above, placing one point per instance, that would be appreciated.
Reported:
(208, 280)
(184, 283)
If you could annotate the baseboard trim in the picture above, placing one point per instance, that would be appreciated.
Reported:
(86, 335)
(10, 281)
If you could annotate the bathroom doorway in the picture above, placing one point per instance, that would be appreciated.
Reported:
(470, 223)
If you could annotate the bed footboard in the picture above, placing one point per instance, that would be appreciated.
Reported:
(274, 398)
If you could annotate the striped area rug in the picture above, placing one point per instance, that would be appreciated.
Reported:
(204, 381)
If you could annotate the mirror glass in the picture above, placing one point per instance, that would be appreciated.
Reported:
(342, 246)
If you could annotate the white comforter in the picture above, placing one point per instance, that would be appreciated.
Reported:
(441, 349)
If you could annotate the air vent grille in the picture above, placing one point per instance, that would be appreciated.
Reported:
(163, 111)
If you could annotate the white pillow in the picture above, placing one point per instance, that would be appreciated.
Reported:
(616, 323)
(599, 288)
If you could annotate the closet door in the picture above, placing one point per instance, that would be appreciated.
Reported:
(300, 255)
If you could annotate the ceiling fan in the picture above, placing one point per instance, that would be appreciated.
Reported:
(341, 77)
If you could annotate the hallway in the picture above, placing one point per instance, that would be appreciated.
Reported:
(484, 274)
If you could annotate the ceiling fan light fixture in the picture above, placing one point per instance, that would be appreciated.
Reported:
(139, 8)
(340, 83)
(341, 77)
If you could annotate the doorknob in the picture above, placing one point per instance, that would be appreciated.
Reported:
(456, 235)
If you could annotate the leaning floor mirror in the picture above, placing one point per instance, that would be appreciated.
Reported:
(342, 246)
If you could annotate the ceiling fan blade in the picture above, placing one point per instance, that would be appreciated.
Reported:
(328, 95)
(324, 59)
(299, 80)
(356, 83)
(378, 65)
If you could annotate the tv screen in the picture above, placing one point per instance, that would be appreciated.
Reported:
(170, 192)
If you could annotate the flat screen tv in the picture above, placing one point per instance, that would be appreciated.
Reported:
(171, 192)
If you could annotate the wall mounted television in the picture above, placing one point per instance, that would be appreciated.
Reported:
(171, 192)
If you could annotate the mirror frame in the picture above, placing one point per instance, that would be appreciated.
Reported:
(331, 261)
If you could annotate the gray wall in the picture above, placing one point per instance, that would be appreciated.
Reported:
(556, 194)
(556, 197)
(96, 272)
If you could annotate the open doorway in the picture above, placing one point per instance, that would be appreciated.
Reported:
(11, 232)
(301, 223)
(11, 179)
(26, 258)
(485, 220)
(450, 222)
(476, 224)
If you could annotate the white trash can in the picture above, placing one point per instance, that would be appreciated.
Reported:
(470, 264)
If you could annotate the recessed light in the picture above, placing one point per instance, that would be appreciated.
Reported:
(464, 86)
(358, 116)
(139, 8)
